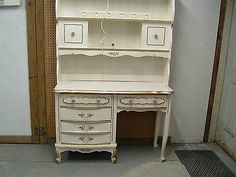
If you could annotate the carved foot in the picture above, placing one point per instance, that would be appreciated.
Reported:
(114, 156)
(58, 157)
(163, 159)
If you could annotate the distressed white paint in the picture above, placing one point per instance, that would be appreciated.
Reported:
(14, 84)
(194, 38)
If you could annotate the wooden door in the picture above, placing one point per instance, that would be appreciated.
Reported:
(226, 128)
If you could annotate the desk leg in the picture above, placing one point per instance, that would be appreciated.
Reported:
(157, 128)
(166, 130)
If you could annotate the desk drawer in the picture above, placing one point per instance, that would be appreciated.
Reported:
(142, 101)
(85, 139)
(85, 126)
(85, 114)
(85, 100)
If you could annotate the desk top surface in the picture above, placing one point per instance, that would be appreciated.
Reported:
(112, 87)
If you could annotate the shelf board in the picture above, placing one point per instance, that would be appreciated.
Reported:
(115, 19)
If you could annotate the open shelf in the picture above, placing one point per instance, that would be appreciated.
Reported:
(115, 19)
(123, 9)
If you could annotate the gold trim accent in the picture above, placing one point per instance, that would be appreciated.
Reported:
(86, 122)
(84, 133)
(87, 145)
(92, 146)
(116, 92)
(92, 108)
(138, 98)
(141, 109)
(96, 99)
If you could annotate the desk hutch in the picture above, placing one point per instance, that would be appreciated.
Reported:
(112, 56)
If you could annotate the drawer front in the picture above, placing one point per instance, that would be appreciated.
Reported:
(156, 36)
(84, 100)
(84, 115)
(85, 139)
(142, 101)
(85, 126)
(73, 34)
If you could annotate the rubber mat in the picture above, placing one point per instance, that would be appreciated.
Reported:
(203, 163)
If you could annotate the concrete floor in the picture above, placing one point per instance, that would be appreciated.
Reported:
(24, 160)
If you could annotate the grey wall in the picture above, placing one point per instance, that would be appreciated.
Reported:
(195, 32)
(14, 84)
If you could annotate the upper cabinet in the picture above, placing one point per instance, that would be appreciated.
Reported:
(115, 27)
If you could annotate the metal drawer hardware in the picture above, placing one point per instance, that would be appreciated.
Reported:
(90, 115)
(156, 36)
(142, 101)
(81, 114)
(86, 140)
(72, 34)
(82, 127)
(82, 138)
(86, 100)
(90, 127)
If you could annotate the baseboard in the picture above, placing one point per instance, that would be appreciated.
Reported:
(15, 139)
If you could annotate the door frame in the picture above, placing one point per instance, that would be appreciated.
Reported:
(36, 64)
(226, 12)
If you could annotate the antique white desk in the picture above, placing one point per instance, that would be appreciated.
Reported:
(112, 56)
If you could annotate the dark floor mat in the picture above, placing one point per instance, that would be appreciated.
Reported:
(204, 163)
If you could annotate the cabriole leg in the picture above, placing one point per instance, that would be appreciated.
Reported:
(58, 156)
(114, 156)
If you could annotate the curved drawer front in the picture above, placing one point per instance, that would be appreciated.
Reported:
(85, 126)
(84, 100)
(84, 115)
(85, 139)
(142, 101)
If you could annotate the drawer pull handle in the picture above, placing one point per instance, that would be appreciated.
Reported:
(72, 34)
(81, 114)
(90, 138)
(90, 115)
(90, 127)
(86, 140)
(82, 127)
(82, 138)
(156, 36)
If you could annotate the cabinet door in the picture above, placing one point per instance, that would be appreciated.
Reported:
(156, 36)
(73, 34)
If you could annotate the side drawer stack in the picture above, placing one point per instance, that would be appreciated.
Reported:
(85, 119)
